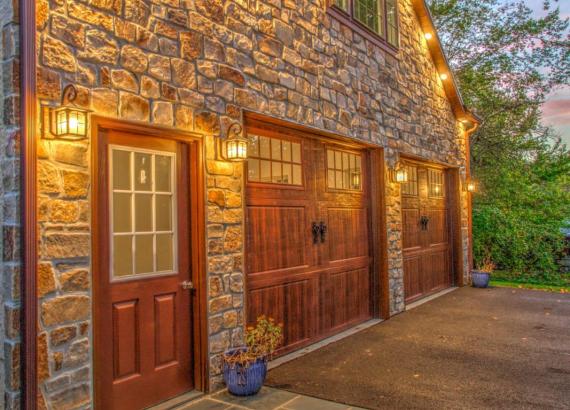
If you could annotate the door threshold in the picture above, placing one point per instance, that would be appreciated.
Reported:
(178, 401)
(315, 346)
(429, 298)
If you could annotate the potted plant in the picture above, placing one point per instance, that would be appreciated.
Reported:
(482, 275)
(245, 367)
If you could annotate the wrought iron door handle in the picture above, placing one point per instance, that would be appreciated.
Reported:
(424, 222)
(323, 229)
(316, 230)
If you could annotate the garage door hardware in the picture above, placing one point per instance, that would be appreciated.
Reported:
(424, 220)
(319, 230)
(323, 229)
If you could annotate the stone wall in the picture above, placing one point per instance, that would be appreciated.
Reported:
(10, 339)
(195, 64)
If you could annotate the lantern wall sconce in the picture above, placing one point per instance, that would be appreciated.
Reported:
(470, 186)
(66, 122)
(234, 146)
(399, 173)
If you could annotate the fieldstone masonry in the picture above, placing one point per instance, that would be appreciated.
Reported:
(10, 340)
(195, 65)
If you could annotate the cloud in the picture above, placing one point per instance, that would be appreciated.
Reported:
(557, 111)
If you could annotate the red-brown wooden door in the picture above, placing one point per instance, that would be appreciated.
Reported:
(307, 252)
(425, 237)
(143, 329)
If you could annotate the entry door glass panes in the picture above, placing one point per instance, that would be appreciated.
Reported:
(344, 170)
(142, 212)
(274, 161)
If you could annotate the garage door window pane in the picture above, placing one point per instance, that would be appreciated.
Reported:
(143, 216)
(344, 170)
(435, 183)
(411, 186)
(274, 160)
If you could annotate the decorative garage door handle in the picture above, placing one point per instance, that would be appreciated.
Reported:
(424, 220)
(316, 229)
(319, 230)
(323, 229)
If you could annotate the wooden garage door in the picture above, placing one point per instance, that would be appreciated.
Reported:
(425, 220)
(307, 247)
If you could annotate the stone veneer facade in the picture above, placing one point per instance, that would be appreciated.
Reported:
(194, 65)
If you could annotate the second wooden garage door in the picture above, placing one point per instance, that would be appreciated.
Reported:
(307, 241)
(425, 237)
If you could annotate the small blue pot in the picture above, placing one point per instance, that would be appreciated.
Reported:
(480, 279)
(244, 381)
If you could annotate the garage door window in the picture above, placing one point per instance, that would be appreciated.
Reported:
(435, 181)
(274, 161)
(411, 186)
(344, 170)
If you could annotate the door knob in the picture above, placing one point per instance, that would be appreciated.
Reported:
(187, 285)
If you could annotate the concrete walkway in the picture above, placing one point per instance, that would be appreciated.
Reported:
(266, 399)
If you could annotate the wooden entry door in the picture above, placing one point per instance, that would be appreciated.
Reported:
(143, 349)
(307, 243)
(426, 238)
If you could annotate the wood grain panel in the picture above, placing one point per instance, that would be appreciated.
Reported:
(438, 227)
(347, 233)
(276, 238)
(412, 278)
(291, 304)
(126, 355)
(344, 298)
(165, 329)
(411, 228)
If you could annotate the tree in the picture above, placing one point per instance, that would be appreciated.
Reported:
(506, 61)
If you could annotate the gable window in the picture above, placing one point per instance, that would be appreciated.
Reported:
(378, 18)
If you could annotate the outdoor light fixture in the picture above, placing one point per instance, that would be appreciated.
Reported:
(470, 186)
(399, 173)
(67, 122)
(428, 36)
(235, 145)
(443, 76)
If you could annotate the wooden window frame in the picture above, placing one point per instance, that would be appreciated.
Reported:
(347, 18)
(334, 169)
(281, 161)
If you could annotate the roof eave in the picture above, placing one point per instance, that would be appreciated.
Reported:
(442, 65)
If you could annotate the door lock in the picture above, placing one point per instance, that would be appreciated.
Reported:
(187, 285)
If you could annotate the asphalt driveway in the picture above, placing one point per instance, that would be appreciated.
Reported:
(493, 348)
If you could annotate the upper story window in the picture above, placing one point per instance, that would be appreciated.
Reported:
(378, 16)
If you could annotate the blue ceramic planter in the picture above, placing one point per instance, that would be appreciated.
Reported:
(480, 279)
(244, 381)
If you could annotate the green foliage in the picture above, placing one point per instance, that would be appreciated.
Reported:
(261, 341)
(506, 61)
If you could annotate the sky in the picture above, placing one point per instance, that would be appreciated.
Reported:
(556, 109)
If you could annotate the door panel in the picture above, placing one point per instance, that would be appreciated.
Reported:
(144, 356)
(315, 282)
(290, 303)
(277, 237)
(347, 232)
(425, 236)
